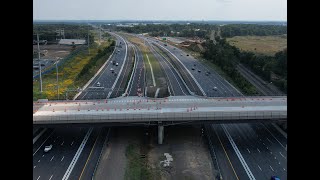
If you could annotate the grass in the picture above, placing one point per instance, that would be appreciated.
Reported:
(157, 71)
(266, 45)
(137, 167)
(67, 75)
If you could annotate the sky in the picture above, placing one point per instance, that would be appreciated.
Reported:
(224, 10)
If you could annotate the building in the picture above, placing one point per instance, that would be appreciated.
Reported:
(72, 41)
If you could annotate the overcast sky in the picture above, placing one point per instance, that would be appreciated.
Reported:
(248, 10)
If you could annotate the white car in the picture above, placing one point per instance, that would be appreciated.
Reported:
(117, 64)
(98, 84)
(47, 148)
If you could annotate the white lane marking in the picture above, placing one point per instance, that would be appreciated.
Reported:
(77, 155)
(62, 158)
(270, 152)
(259, 168)
(258, 150)
(271, 168)
(38, 136)
(284, 169)
(62, 143)
(248, 150)
(234, 146)
(269, 140)
(51, 158)
(275, 157)
(274, 136)
(42, 155)
(263, 143)
(42, 143)
(282, 155)
(39, 160)
(71, 143)
(50, 177)
(279, 162)
(38, 178)
(34, 167)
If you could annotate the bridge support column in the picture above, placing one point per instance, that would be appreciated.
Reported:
(160, 134)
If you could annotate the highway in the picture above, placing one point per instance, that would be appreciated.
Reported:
(177, 86)
(262, 146)
(106, 78)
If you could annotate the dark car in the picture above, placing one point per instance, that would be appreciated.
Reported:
(275, 178)
(199, 70)
(192, 68)
(187, 54)
(194, 64)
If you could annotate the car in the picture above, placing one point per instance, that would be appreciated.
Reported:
(98, 84)
(194, 65)
(115, 74)
(275, 178)
(215, 88)
(174, 48)
(180, 54)
(187, 54)
(117, 64)
(47, 148)
(118, 50)
(112, 70)
(207, 74)
(199, 70)
(192, 68)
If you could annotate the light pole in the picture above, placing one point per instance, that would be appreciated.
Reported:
(57, 79)
(39, 63)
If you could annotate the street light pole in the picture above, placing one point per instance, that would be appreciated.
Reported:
(57, 79)
(39, 63)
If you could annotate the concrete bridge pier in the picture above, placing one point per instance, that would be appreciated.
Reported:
(160, 133)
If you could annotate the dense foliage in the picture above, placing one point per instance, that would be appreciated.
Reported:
(226, 57)
(204, 30)
(49, 32)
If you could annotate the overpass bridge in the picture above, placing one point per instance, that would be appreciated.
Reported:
(161, 112)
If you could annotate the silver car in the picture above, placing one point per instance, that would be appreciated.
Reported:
(47, 148)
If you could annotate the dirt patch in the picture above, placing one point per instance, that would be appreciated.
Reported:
(53, 51)
(190, 154)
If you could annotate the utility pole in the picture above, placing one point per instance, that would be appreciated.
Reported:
(100, 34)
(88, 41)
(57, 79)
(39, 63)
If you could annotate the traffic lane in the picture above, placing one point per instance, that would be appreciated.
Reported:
(189, 62)
(225, 167)
(277, 135)
(257, 151)
(81, 163)
(55, 162)
(138, 76)
(257, 160)
(92, 160)
(237, 166)
(39, 143)
(173, 81)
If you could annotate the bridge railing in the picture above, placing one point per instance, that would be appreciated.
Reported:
(164, 116)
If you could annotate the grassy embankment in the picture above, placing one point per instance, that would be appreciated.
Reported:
(68, 73)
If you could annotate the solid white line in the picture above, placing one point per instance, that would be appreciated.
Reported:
(50, 177)
(38, 178)
(271, 168)
(259, 168)
(280, 130)
(77, 155)
(71, 143)
(42, 143)
(243, 162)
(38, 136)
(34, 167)
(51, 158)
(248, 150)
(153, 81)
(62, 158)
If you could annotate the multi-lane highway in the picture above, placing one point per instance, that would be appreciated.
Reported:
(244, 151)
